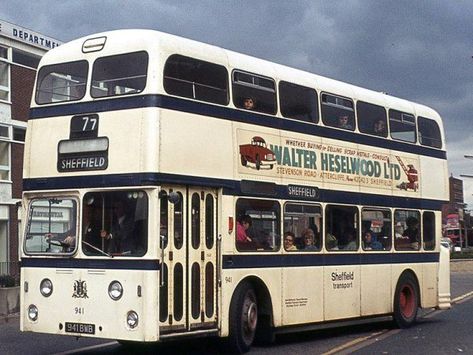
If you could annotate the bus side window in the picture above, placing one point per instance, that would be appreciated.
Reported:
(407, 233)
(428, 230)
(196, 79)
(260, 90)
(376, 229)
(305, 222)
(338, 112)
(298, 102)
(258, 225)
(341, 228)
(402, 126)
(372, 119)
(429, 133)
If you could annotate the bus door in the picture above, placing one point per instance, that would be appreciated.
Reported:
(188, 224)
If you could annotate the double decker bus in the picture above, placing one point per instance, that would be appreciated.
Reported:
(175, 189)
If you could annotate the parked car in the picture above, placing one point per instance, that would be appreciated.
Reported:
(257, 153)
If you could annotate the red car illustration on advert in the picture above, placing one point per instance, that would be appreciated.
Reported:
(257, 153)
(412, 176)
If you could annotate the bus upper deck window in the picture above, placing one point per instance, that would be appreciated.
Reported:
(121, 74)
(429, 133)
(61, 82)
(337, 111)
(402, 126)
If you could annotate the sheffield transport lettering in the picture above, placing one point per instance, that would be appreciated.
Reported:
(343, 280)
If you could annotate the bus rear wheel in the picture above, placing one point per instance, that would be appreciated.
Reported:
(406, 301)
(243, 318)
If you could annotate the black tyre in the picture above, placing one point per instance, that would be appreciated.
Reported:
(406, 301)
(258, 163)
(243, 318)
(244, 162)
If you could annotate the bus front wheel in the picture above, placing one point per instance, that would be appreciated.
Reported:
(406, 301)
(243, 318)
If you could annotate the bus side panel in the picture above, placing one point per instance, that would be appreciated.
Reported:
(429, 285)
(270, 278)
(302, 295)
(341, 292)
(376, 293)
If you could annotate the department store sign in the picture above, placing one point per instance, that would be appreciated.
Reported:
(27, 36)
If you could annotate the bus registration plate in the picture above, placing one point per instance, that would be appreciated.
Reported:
(80, 328)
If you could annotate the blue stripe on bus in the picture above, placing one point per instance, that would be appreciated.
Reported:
(242, 261)
(230, 187)
(72, 263)
(179, 104)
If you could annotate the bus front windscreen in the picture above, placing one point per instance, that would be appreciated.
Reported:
(61, 82)
(51, 227)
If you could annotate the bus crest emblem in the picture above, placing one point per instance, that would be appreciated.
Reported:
(80, 289)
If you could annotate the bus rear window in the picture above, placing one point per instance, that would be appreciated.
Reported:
(119, 74)
(61, 82)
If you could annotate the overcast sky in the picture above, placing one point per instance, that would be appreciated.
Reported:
(418, 50)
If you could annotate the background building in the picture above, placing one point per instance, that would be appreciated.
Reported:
(455, 216)
(20, 52)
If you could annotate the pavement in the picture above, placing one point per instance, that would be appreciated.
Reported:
(456, 265)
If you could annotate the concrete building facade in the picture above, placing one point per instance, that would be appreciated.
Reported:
(20, 52)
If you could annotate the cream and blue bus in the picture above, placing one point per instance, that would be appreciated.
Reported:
(176, 189)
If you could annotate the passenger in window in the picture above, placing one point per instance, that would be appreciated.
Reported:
(343, 122)
(249, 103)
(351, 241)
(308, 237)
(380, 128)
(331, 242)
(370, 241)
(243, 224)
(121, 236)
(289, 239)
(412, 232)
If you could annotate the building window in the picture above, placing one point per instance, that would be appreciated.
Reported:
(26, 59)
(4, 81)
(3, 52)
(4, 160)
(19, 134)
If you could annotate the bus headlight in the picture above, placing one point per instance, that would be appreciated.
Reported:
(115, 290)
(132, 319)
(32, 312)
(46, 287)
